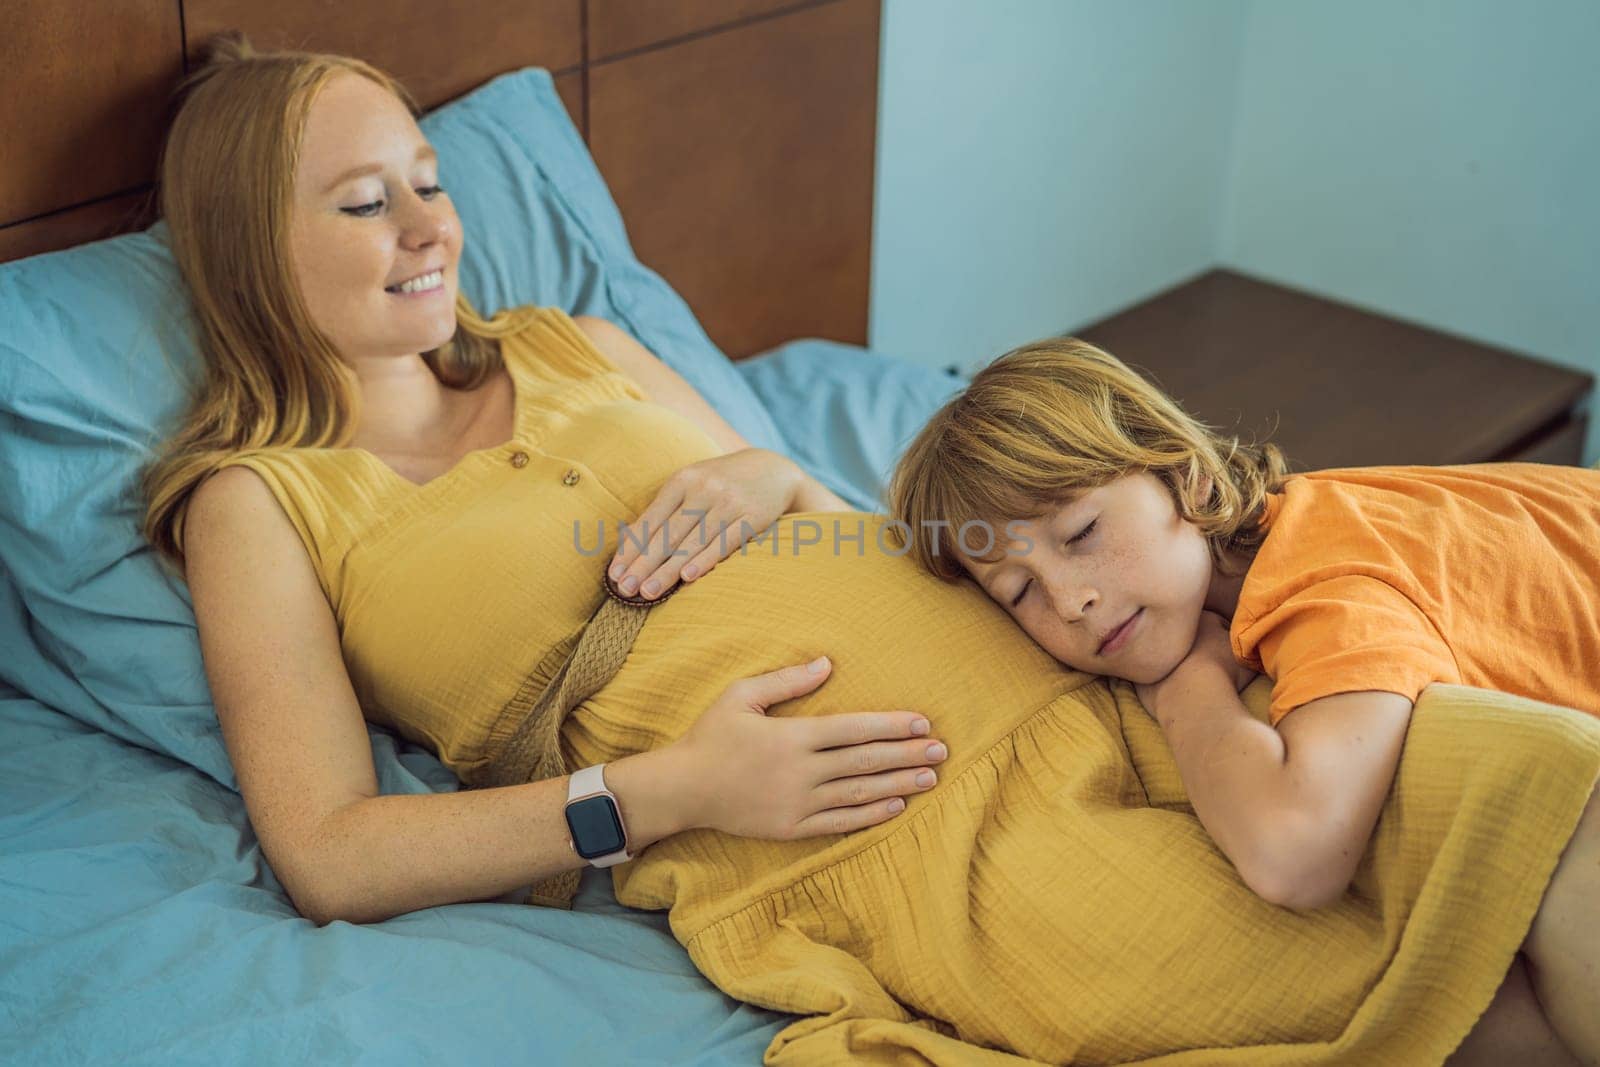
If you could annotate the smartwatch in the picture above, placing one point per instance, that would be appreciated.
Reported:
(595, 820)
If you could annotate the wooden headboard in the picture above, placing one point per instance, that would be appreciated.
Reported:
(737, 136)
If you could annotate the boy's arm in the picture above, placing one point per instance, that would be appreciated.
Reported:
(1343, 754)
(1292, 807)
(1231, 763)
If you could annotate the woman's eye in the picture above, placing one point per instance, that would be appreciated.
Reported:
(1087, 530)
(366, 211)
(1021, 593)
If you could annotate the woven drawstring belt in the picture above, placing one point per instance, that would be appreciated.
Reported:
(533, 752)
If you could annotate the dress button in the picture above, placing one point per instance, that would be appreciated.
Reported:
(571, 477)
(519, 459)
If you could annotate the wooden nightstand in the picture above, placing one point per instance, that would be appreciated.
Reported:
(1334, 386)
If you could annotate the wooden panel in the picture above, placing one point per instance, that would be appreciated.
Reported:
(624, 25)
(437, 50)
(77, 225)
(1332, 385)
(570, 88)
(136, 209)
(85, 88)
(743, 159)
(743, 165)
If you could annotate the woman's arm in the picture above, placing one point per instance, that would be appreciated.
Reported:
(299, 748)
(387, 855)
(661, 383)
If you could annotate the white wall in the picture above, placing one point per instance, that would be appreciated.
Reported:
(1437, 161)
(1044, 163)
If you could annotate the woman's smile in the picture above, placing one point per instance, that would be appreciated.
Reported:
(424, 285)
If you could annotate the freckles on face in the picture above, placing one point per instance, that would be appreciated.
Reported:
(1049, 582)
(350, 239)
(1085, 567)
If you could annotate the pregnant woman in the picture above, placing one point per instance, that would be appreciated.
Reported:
(411, 518)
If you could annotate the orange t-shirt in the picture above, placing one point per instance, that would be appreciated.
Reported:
(1391, 578)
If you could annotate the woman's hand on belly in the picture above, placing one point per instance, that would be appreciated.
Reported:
(701, 516)
(785, 779)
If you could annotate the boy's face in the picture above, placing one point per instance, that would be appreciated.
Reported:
(1140, 558)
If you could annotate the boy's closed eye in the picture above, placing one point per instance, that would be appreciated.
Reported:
(1085, 532)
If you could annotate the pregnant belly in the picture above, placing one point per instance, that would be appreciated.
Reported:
(898, 638)
(1005, 867)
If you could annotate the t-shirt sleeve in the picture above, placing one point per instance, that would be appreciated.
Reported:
(1345, 635)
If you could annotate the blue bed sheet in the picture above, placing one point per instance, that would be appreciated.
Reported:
(142, 924)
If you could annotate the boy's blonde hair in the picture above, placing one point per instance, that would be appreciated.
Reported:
(271, 378)
(1047, 422)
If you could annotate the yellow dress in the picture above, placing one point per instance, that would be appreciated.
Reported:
(1052, 899)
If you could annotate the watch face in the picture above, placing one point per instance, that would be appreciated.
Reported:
(596, 828)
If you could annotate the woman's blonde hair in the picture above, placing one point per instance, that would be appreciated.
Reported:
(1047, 422)
(226, 188)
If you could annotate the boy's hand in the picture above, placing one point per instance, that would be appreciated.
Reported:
(1211, 651)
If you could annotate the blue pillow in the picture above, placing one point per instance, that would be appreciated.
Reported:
(847, 413)
(97, 358)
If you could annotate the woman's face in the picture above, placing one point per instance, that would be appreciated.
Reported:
(1093, 563)
(355, 237)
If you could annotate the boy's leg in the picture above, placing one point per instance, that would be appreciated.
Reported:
(1513, 1030)
(1563, 946)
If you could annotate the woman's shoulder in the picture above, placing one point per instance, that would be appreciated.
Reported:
(233, 485)
(271, 464)
(235, 505)
(316, 486)
(518, 317)
(553, 344)
(260, 477)
(510, 320)
(278, 495)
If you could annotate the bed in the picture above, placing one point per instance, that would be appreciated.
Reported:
(737, 139)
(143, 924)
